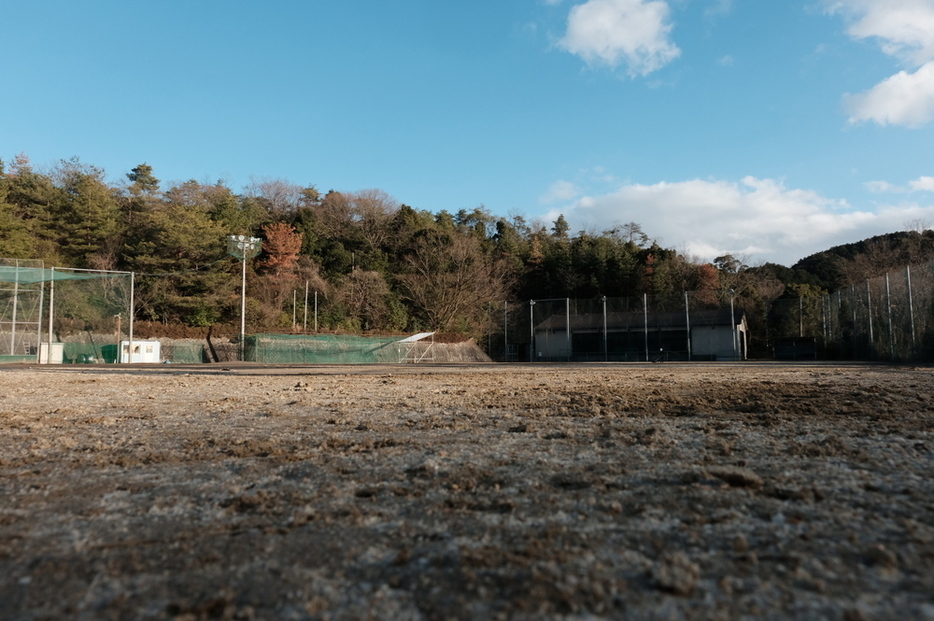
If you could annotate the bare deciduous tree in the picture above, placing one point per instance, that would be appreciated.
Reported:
(364, 293)
(280, 197)
(451, 281)
(372, 210)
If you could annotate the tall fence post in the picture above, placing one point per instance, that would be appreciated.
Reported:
(606, 351)
(567, 325)
(911, 307)
(645, 322)
(872, 340)
(888, 306)
(506, 331)
(687, 320)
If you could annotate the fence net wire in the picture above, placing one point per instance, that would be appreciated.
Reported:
(61, 314)
(888, 318)
(90, 314)
(21, 298)
(629, 329)
(330, 349)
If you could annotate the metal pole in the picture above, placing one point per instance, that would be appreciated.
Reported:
(645, 321)
(567, 325)
(687, 318)
(853, 301)
(305, 309)
(39, 329)
(15, 300)
(316, 312)
(606, 351)
(48, 358)
(132, 310)
(869, 314)
(888, 306)
(911, 306)
(505, 331)
(531, 330)
(733, 325)
(243, 307)
(294, 305)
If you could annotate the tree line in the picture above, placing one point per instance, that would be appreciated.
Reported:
(380, 264)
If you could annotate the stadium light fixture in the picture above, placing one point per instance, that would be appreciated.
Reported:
(243, 247)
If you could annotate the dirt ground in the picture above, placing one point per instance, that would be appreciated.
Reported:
(668, 491)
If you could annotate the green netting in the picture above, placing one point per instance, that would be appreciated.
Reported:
(31, 275)
(183, 353)
(88, 309)
(91, 315)
(329, 349)
(88, 353)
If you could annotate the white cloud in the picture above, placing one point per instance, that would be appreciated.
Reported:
(905, 27)
(882, 187)
(921, 184)
(757, 218)
(632, 33)
(905, 30)
(560, 191)
(904, 99)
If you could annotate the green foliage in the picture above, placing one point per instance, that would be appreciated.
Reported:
(86, 213)
(144, 182)
(15, 237)
(204, 316)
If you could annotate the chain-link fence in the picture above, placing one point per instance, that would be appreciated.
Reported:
(21, 299)
(60, 314)
(690, 326)
(889, 318)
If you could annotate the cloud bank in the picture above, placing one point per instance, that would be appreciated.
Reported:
(633, 34)
(758, 219)
(904, 30)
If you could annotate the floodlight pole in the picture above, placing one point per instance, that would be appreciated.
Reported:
(243, 248)
(243, 309)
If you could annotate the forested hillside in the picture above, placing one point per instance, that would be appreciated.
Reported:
(380, 264)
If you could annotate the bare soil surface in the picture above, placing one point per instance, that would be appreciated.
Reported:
(669, 491)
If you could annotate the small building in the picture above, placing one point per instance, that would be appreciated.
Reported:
(143, 351)
(718, 334)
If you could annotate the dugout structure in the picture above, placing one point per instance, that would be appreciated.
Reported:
(62, 314)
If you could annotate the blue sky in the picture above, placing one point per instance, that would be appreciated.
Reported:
(765, 129)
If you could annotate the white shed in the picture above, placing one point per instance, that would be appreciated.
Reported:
(143, 351)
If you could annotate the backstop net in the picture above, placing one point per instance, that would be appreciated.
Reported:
(331, 349)
(21, 301)
(62, 314)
